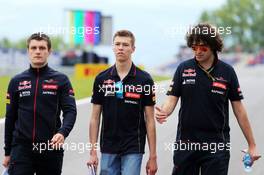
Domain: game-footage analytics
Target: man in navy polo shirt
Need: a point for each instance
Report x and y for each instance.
(123, 94)
(205, 85)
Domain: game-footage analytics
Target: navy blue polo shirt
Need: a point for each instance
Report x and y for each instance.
(123, 128)
(204, 113)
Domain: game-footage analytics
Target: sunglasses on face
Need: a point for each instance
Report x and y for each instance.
(200, 47)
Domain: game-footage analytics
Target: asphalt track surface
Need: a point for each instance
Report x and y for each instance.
(252, 85)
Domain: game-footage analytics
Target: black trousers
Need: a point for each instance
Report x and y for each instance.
(25, 161)
(194, 162)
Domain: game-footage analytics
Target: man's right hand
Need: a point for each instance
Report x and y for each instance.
(6, 161)
(93, 159)
(160, 115)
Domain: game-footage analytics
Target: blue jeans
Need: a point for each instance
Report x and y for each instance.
(115, 164)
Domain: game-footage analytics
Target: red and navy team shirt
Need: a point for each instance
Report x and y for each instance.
(204, 113)
(123, 128)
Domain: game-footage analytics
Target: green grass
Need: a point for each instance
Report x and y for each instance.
(82, 88)
(157, 78)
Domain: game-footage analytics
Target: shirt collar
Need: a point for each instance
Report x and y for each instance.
(132, 72)
(213, 65)
(38, 70)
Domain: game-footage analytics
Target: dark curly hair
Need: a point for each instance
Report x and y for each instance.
(206, 33)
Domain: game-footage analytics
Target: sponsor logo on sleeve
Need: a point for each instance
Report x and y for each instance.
(154, 98)
(239, 91)
(71, 92)
(7, 98)
(170, 86)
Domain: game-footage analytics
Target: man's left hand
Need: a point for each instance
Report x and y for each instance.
(151, 167)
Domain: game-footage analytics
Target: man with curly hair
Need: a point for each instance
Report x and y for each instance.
(205, 85)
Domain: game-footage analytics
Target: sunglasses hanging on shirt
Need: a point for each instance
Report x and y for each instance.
(208, 72)
(119, 89)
